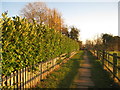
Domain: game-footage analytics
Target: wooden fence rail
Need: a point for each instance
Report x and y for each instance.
(111, 62)
(25, 78)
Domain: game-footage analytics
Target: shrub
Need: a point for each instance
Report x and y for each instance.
(25, 44)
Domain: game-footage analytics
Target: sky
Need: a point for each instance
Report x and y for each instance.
(91, 18)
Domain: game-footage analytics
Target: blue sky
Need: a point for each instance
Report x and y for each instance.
(13, 7)
(91, 18)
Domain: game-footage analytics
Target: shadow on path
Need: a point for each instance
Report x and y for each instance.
(83, 78)
(100, 77)
(92, 75)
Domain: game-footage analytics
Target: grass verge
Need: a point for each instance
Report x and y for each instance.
(64, 76)
(100, 77)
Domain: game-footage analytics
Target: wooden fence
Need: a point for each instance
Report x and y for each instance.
(110, 62)
(25, 78)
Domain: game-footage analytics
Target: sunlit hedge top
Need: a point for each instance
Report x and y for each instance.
(25, 44)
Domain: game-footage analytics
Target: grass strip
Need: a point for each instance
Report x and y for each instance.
(100, 77)
(64, 76)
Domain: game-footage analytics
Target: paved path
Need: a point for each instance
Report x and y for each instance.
(83, 78)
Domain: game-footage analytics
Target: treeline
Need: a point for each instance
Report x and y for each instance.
(111, 42)
(25, 43)
(42, 14)
(106, 42)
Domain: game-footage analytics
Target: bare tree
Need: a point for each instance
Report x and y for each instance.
(42, 14)
(88, 44)
(37, 11)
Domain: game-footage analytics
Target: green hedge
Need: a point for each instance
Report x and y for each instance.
(25, 44)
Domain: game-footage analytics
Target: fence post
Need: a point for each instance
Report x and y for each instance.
(0, 73)
(97, 54)
(114, 64)
(12, 75)
(93, 51)
(103, 57)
